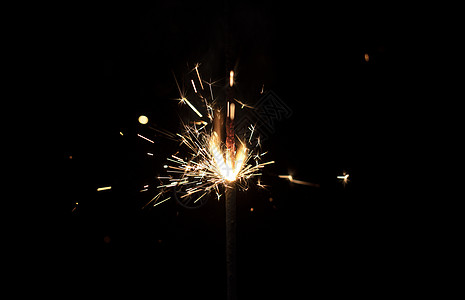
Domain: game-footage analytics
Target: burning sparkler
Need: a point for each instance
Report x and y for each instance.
(209, 163)
(205, 164)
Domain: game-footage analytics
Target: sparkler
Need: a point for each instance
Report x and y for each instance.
(210, 165)
(205, 164)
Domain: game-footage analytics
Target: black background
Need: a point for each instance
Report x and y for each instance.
(347, 115)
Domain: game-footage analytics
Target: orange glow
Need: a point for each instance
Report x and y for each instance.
(367, 57)
(230, 167)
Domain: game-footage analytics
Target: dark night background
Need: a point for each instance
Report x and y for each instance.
(117, 63)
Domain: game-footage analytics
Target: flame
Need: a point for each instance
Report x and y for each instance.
(226, 165)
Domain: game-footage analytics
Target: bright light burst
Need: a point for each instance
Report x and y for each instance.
(204, 164)
(344, 178)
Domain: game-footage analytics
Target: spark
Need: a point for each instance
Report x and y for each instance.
(200, 123)
(252, 129)
(157, 196)
(209, 110)
(344, 178)
(179, 89)
(210, 84)
(200, 197)
(291, 179)
(75, 207)
(183, 99)
(198, 75)
(243, 104)
(145, 189)
(193, 84)
(231, 78)
(158, 203)
(191, 106)
(260, 185)
(164, 132)
(211, 91)
(147, 139)
(207, 105)
(366, 57)
(104, 188)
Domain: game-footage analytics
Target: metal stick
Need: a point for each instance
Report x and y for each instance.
(231, 241)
